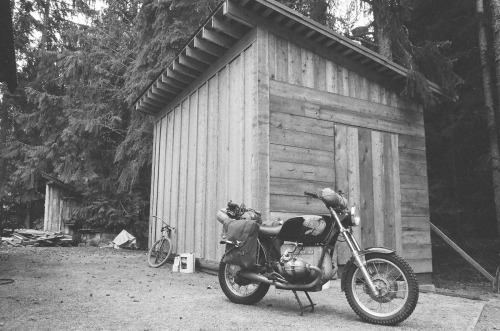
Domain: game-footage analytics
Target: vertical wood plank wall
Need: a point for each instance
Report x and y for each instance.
(327, 124)
(57, 210)
(202, 157)
(52, 209)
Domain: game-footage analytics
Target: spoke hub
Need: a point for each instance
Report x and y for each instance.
(234, 273)
(385, 290)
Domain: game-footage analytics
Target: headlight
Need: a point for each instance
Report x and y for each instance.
(355, 217)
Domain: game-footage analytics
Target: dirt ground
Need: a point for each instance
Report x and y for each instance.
(90, 288)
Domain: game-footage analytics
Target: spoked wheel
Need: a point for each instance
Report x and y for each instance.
(159, 252)
(239, 289)
(397, 289)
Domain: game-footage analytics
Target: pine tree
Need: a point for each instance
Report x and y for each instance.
(73, 116)
(495, 19)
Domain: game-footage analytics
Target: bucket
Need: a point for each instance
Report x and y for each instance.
(187, 263)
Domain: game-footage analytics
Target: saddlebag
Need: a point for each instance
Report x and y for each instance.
(240, 237)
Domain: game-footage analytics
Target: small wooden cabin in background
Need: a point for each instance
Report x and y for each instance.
(60, 202)
(263, 104)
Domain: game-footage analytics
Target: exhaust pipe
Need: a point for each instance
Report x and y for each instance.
(262, 279)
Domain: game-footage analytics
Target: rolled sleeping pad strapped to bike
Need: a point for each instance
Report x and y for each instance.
(333, 199)
(222, 216)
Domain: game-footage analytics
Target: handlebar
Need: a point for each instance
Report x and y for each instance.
(312, 195)
(330, 198)
(165, 225)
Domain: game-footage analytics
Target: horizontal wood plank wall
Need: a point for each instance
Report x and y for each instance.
(308, 96)
(202, 154)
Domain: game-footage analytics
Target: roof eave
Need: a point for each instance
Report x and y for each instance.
(228, 23)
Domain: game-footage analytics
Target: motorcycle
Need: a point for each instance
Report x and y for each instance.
(296, 255)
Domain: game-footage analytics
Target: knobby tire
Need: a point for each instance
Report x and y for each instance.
(250, 299)
(412, 286)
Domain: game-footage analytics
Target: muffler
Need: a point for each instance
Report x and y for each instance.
(262, 279)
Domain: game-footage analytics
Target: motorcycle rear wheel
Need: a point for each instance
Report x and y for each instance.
(397, 284)
(238, 289)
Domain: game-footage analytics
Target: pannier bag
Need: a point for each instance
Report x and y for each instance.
(240, 231)
(240, 237)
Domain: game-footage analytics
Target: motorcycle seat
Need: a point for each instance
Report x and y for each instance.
(270, 231)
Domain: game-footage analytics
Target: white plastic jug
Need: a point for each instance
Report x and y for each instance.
(187, 262)
(177, 264)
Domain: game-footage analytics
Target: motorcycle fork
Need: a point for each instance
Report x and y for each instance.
(355, 249)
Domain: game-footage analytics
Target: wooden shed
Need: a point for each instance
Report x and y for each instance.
(60, 202)
(262, 104)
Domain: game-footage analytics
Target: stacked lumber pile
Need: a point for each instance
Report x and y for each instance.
(36, 238)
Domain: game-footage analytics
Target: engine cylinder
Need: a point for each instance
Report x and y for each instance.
(295, 261)
(296, 268)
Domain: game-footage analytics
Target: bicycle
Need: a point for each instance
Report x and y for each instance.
(162, 248)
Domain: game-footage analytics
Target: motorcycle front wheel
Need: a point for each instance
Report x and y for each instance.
(397, 289)
(239, 289)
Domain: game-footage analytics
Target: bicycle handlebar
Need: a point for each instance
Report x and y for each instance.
(164, 224)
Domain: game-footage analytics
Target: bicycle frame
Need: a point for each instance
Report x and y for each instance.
(165, 228)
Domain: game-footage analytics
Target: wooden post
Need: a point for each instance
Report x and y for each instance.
(260, 123)
(27, 222)
(46, 221)
(496, 283)
(463, 254)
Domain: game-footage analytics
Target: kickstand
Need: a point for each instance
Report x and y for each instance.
(302, 308)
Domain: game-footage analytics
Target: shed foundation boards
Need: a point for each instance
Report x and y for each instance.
(279, 105)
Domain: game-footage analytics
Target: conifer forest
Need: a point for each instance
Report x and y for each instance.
(82, 63)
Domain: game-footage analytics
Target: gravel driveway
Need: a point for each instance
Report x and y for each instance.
(89, 288)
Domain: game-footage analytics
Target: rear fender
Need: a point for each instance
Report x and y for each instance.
(381, 250)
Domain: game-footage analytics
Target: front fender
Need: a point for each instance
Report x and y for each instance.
(381, 250)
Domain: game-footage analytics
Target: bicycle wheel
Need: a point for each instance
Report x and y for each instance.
(159, 252)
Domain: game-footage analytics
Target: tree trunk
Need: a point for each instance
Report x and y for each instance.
(318, 11)
(382, 36)
(495, 9)
(27, 221)
(489, 108)
(44, 41)
(3, 165)
(45, 29)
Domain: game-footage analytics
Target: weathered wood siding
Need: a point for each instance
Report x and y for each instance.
(330, 126)
(203, 155)
(58, 209)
